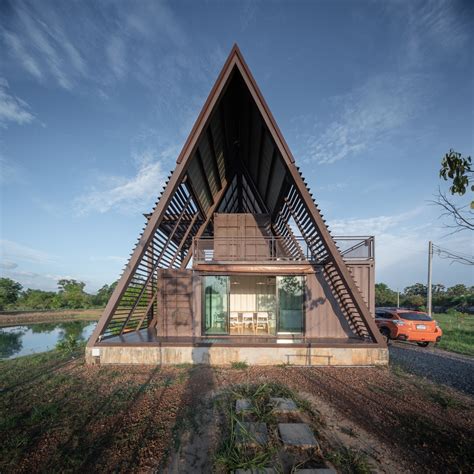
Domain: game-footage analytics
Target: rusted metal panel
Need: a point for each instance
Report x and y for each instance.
(324, 317)
(323, 314)
(364, 277)
(175, 305)
(241, 226)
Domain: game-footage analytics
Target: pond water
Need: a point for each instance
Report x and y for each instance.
(28, 339)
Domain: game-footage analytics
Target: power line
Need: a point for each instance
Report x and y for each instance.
(455, 257)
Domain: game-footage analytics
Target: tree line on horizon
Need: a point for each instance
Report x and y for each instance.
(71, 295)
(460, 297)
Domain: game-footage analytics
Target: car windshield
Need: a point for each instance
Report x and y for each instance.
(415, 316)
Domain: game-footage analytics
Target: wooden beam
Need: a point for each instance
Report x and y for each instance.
(192, 192)
(260, 156)
(209, 216)
(204, 177)
(270, 174)
(183, 240)
(210, 139)
(155, 266)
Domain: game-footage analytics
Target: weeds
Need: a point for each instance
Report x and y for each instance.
(240, 448)
(70, 344)
(241, 365)
(349, 431)
(350, 461)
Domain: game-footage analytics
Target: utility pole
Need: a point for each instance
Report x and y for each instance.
(430, 261)
(398, 298)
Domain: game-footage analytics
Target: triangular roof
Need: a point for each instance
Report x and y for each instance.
(234, 160)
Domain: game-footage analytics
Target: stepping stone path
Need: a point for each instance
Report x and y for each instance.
(251, 434)
(283, 405)
(242, 405)
(297, 435)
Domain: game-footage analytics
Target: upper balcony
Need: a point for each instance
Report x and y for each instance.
(215, 250)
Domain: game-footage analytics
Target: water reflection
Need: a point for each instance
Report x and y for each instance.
(33, 338)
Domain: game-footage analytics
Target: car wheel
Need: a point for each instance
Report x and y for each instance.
(385, 332)
(423, 344)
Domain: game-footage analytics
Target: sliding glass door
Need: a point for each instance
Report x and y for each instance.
(216, 304)
(290, 303)
(253, 305)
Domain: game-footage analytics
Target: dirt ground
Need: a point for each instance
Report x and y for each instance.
(56, 413)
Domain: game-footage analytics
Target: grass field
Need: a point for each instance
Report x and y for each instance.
(59, 414)
(458, 332)
(31, 317)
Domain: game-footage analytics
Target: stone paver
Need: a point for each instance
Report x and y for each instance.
(297, 435)
(241, 405)
(251, 434)
(283, 405)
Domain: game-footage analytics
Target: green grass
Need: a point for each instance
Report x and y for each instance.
(458, 332)
(239, 365)
(350, 461)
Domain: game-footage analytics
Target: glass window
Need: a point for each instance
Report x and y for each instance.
(216, 304)
(291, 303)
(414, 316)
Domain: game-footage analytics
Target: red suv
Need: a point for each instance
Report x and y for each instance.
(407, 325)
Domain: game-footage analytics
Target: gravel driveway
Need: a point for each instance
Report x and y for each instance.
(440, 366)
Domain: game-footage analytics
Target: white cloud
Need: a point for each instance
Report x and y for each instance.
(433, 28)
(135, 194)
(7, 265)
(13, 251)
(364, 117)
(372, 225)
(19, 51)
(115, 51)
(401, 246)
(12, 108)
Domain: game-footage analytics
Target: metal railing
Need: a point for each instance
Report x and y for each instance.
(274, 249)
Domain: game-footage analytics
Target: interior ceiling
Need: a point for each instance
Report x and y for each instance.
(237, 148)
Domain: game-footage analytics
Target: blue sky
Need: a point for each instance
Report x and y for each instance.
(97, 98)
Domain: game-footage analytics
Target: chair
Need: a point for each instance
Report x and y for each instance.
(248, 320)
(263, 322)
(235, 322)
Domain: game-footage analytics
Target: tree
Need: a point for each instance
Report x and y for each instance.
(71, 294)
(103, 295)
(414, 301)
(458, 170)
(384, 296)
(37, 299)
(457, 290)
(418, 289)
(9, 292)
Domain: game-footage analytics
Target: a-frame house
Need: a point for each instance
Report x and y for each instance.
(235, 262)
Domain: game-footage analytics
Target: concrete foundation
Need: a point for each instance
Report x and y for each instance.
(219, 355)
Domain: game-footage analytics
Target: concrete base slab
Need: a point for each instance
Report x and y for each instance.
(242, 405)
(217, 355)
(298, 435)
(283, 405)
(251, 434)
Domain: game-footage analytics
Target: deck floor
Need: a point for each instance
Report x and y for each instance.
(148, 337)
